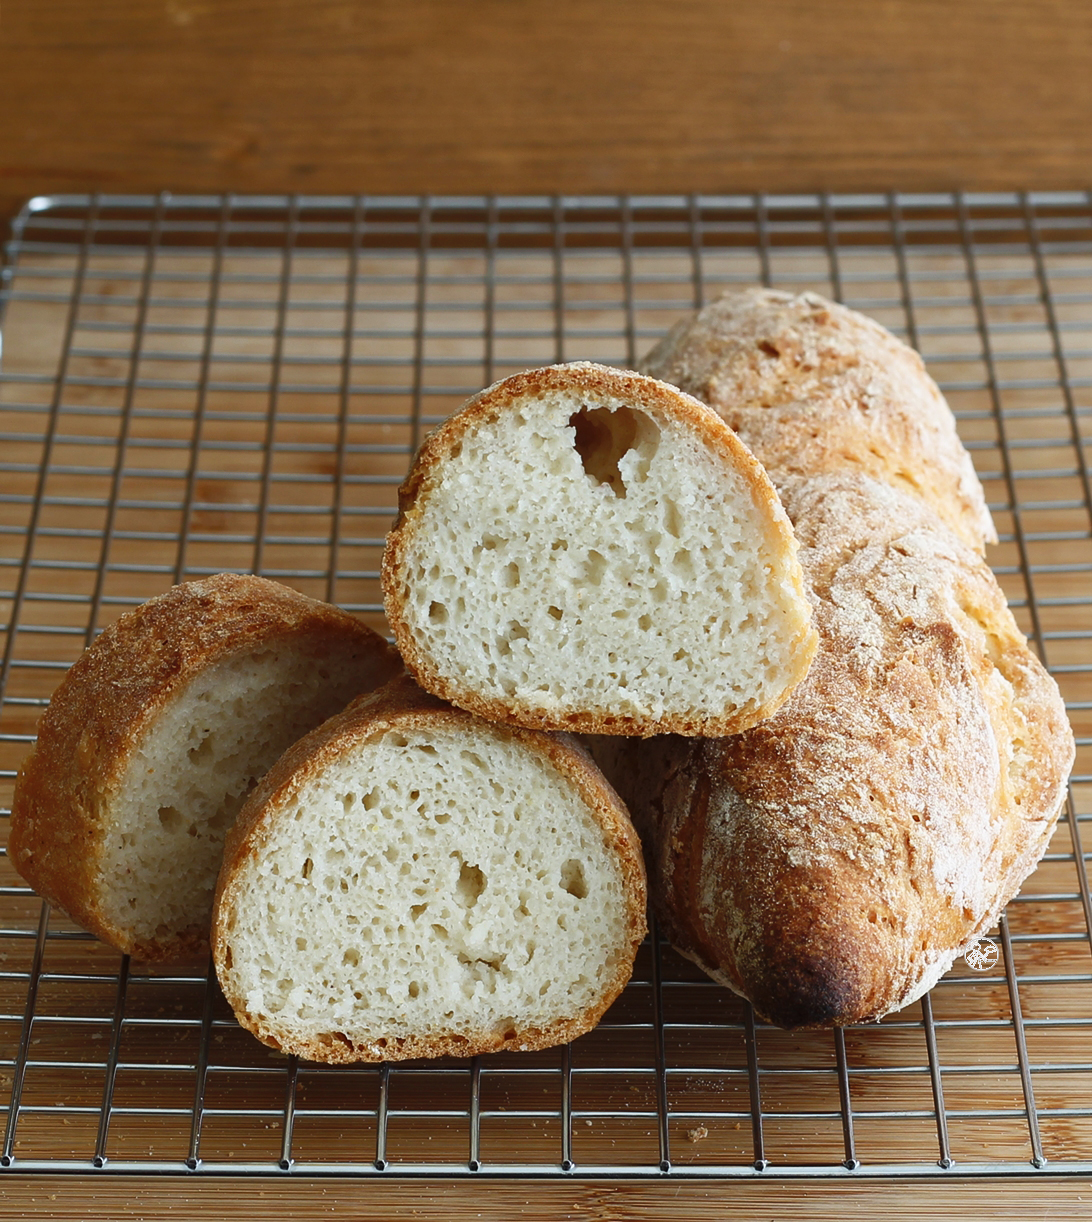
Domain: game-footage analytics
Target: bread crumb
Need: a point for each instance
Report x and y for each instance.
(698, 1134)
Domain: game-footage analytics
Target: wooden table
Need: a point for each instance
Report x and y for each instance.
(432, 97)
(579, 96)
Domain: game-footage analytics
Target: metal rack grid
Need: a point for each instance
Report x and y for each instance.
(197, 384)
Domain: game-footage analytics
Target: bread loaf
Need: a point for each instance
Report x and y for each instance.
(833, 862)
(154, 738)
(412, 881)
(587, 549)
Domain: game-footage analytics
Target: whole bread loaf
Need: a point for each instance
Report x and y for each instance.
(833, 862)
(410, 880)
(156, 735)
(587, 549)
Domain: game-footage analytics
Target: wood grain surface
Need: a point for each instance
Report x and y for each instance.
(450, 96)
(90, 1199)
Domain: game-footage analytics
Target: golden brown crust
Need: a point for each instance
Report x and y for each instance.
(813, 387)
(402, 705)
(831, 864)
(110, 698)
(660, 401)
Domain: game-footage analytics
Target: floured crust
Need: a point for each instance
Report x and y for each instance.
(831, 864)
(813, 387)
(402, 705)
(111, 698)
(660, 401)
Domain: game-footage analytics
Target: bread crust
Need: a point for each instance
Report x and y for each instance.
(831, 864)
(109, 700)
(402, 705)
(660, 401)
(814, 387)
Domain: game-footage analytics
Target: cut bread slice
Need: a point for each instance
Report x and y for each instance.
(156, 735)
(589, 549)
(412, 881)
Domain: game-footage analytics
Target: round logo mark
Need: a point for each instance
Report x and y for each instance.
(983, 955)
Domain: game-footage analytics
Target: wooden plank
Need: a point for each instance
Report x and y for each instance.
(90, 1198)
(574, 96)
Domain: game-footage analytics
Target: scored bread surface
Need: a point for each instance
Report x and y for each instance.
(410, 881)
(814, 387)
(588, 549)
(153, 739)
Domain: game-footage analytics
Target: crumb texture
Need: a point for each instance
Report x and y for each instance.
(430, 887)
(580, 553)
(189, 774)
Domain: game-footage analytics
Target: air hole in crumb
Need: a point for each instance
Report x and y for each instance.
(171, 818)
(414, 989)
(595, 568)
(308, 866)
(573, 880)
(202, 749)
(437, 613)
(604, 437)
(768, 348)
(470, 885)
(554, 612)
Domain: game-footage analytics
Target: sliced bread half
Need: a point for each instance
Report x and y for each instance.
(156, 735)
(410, 880)
(588, 549)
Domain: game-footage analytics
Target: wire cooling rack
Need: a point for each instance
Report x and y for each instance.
(190, 385)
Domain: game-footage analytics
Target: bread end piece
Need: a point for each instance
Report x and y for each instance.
(153, 738)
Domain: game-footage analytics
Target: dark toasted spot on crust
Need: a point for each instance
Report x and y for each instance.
(806, 990)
